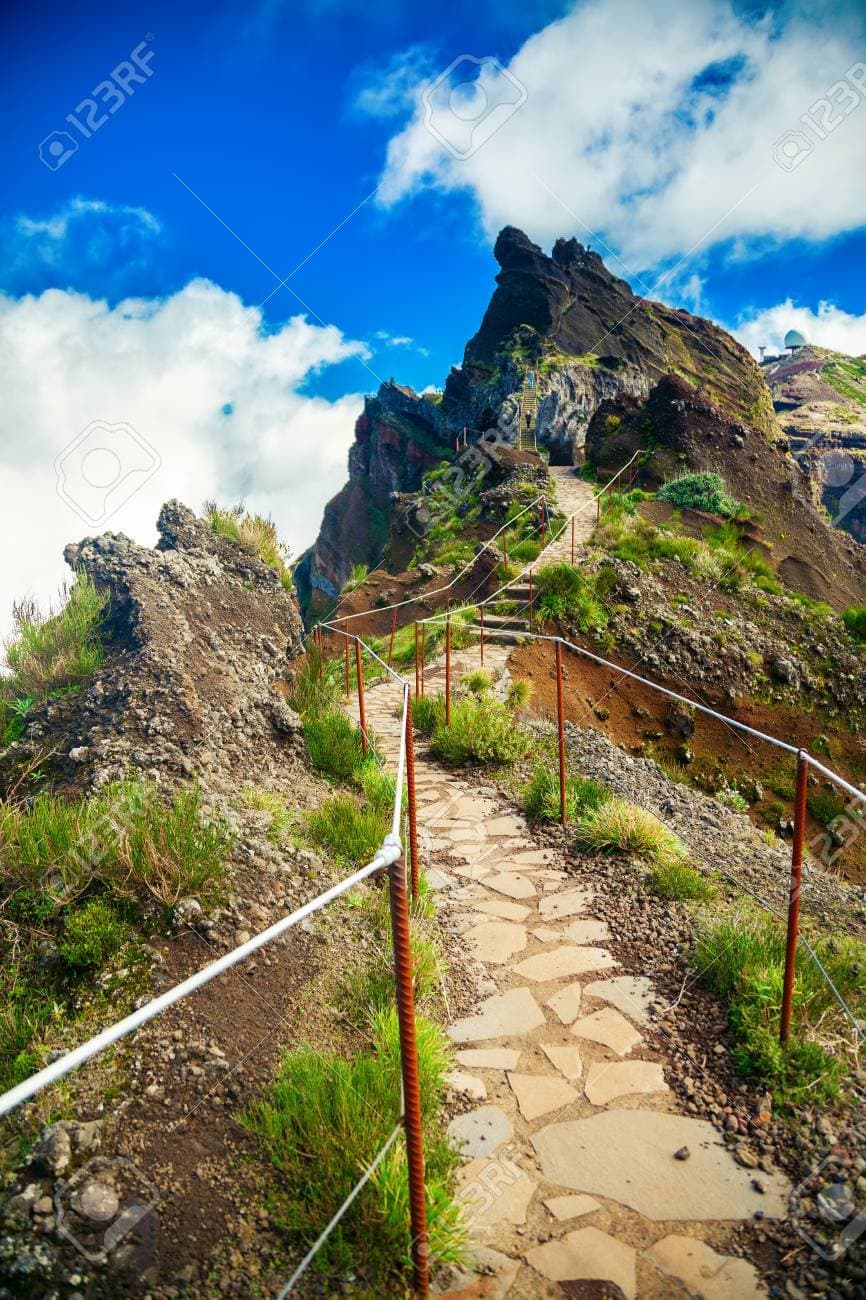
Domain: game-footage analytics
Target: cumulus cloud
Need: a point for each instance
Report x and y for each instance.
(653, 127)
(200, 381)
(828, 327)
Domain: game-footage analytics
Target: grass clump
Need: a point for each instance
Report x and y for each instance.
(353, 828)
(564, 593)
(92, 934)
(334, 743)
(254, 534)
(50, 653)
(317, 683)
(705, 491)
(482, 730)
(541, 796)
(269, 801)
(324, 1119)
(742, 959)
(618, 824)
(678, 880)
(854, 619)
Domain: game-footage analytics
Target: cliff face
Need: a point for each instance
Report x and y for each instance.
(586, 339)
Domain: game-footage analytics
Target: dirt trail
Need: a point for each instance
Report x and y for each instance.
(583, 1174)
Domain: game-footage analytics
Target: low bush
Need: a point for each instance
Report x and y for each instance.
(618, 824)
(254, 534)
(269, 801)
(352, 830)
(855, 621)
(317, 683)
(679, 880)
(704, 491)
(482, 730)
(741, 957)
(541, 796)
(334, 742)
(564, 593)
(92, 933)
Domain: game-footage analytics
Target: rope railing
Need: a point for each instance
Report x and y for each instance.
(388, 859)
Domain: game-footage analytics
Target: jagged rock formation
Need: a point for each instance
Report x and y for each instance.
(199, 633)
(820, 402)
(585, 337)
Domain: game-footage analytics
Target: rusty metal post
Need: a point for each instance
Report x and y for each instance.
(560, 722)
(530, 600)
(361, 715)
(572, 539)
(348, 673)
(409, 1066)
(505, 548)
(410, 790)
(447, 672)
(630, 474)
(598, 509)
(423, 654)
(481, 613)
(794, 895)
(391, 642)
(543, 523)
(417, 680)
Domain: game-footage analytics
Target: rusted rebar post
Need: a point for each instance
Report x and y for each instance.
(543, 523)
(391, 642)
(630, 474)
(361, 715)
(794, 895)
(409, 1067)
(530, 600)
(411, 800)
(423, 655)
(447, 672)
(560, 722)
(348, 672)
(598, 509)
(572, 539)
(481, 619)
(417, 679)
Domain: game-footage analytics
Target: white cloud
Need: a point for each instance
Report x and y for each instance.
(654, 126)
(82, 239)
(197, 376)
(828, 327)
(389, 91)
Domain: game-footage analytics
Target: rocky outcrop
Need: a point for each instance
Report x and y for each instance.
(198, 636)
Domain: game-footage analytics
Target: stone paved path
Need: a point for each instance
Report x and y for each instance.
(572, 494)
(580, 1177)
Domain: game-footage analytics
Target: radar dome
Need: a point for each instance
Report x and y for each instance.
(794, 339)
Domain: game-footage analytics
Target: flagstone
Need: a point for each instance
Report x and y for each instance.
(480, 1132)
(566, 1057)
(588, 1254)
(538, 1094)
(570, 904)
(487, 1275)
(566, 1003)
(513, 886)
(472, 873)
(608, 1080)
(531, 856)
(571, 1207)
(514, 1012)
(703, 1272)
(508, 911)
(489, 1058)
(610, 1029)
(494, 1191)
(438, 879)
(587, 931)
(629, 1156)
(631, 994)
(545, 935)
(559, 963)
(506, 825)
(496, 941)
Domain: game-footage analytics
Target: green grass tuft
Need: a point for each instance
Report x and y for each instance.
(679, 880)
(618, 824)
(254, 534)
(705, 491)
(541, 797)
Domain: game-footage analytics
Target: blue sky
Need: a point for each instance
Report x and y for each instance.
(646, 130)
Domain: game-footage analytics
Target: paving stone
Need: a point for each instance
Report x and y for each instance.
(508, 911)
(571, 1207)
(438, 879)
(587, 932)
(506, 826)
(629, 1156)
(488, 1275)
(489, 1058)
(570, 904)
(494, 1191)
(566, 1002)
(703, 1272)
(464, 834)
(559, 963)
(460, 1081)
(631, 994)
(514, 1012)
(566, 1058)
(512, 885)
(545, 935)
(531, 856)
(480, 1132)
(608, 1080)
(587, 1254)
(538, 1094)
(472, 873)
(610, 1029)
(496, 941)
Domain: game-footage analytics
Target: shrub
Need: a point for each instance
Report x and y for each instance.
(541, 797)
(618, 824)
(351, 830)
(334, 742)
(254, 534)
(741, 957)
(323, 1120)
(428, 712)
(564, 593)
(679, 880)
(482, 730)
(855, 621)
(704, 491)
(731, 797)
(91, 934)
(524, 552)
(477, 682)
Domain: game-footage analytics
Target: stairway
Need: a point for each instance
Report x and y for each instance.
(528, 412)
